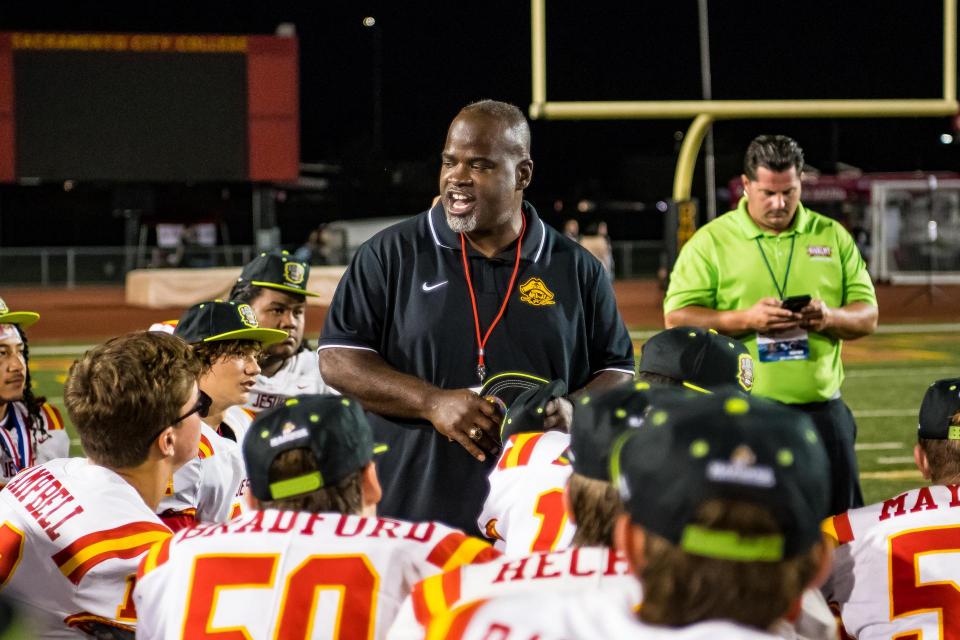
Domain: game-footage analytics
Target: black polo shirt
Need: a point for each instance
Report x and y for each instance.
(405, 297)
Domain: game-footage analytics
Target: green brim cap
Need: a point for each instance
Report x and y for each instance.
(217, 320)
(332, 428)
(22, 318)
(527, 411)
(726, 446)
(278, 270)
(701, 359)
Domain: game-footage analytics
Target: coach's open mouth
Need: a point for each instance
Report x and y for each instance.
(459, 203)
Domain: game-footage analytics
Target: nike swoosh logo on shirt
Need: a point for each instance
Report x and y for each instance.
(430, 287)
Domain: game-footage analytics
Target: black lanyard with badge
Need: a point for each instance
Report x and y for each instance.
(789, 344)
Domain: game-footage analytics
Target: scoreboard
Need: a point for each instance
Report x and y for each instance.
(148, 107)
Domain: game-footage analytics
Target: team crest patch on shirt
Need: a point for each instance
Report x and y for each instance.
(247, 316)
(818, 251)
(745, 371)
(535, 292)
(293, 272)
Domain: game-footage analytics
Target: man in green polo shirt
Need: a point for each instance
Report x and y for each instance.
(736, 271)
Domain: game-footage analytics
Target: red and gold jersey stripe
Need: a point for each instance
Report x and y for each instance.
(177, 519)
(519, 454)
(126, 541)
(205, 449)
(52, 417)
(249, 412)
(435, 595)
(91, 624)
(453, 625)
(838, 528)
(457, 549)
(158, 554)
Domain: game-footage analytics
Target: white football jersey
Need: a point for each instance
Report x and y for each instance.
(524, 510)
(268, 574)
(568, 616)
(22, 447)
(206, 489)
(897, 569)
(71, 539)
(298, 375)
(574, 570)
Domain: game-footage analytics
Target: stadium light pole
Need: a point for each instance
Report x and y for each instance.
(709, 160)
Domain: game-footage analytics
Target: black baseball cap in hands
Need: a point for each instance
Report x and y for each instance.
(702, 359)
(276, 269)
(600, 419)
(940, 403)
(218, 320)
(726, 446)
(333, 428)
(527, 411)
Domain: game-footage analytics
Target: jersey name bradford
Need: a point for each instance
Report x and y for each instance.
(347, 526)
(45, 499)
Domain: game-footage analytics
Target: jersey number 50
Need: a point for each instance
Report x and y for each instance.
(351, 575)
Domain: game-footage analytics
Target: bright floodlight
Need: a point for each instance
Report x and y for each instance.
(369, 21)
(946, 138)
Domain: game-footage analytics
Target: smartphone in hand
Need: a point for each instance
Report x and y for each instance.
(795, 303)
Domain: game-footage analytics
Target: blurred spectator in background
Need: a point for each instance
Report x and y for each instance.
(313, 251)
(571, 229)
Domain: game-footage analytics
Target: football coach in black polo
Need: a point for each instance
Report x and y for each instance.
(476, 286)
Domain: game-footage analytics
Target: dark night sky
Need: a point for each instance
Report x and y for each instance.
(437, 56)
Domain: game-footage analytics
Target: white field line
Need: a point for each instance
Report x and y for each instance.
(878, 446)
(884, 413)
(889, 372)
(62, 350)
(896, 474)
(884, 328)
(895, 460)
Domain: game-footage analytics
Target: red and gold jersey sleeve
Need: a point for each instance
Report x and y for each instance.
(524, 511)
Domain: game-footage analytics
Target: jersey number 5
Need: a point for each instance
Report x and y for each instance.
(908, 596)
(351, 575)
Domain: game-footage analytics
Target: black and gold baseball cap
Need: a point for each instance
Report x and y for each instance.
(333, 428)
(940, 403)
(701, 359)
(277, 269)
(22, 318)
(600, 419)
(728, 446)
(219, 320)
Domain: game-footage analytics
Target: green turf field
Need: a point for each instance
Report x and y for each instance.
(887, 375)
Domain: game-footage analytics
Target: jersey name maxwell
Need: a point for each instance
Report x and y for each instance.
(46, 500)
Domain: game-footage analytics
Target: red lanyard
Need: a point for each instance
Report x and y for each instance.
(481, 342)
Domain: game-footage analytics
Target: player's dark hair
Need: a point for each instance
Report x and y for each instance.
(680, 588)
(595, 505)
(776, 153)
(344, 497)
(123, 393)
(511, 116)
(209, 353)
(31, 402)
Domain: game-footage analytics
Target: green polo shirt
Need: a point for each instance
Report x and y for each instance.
(721, 267)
